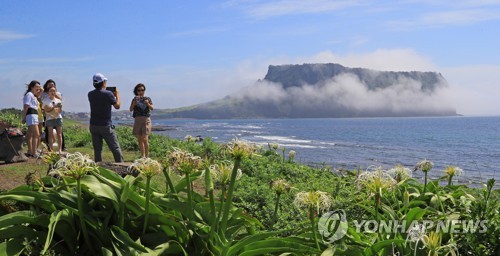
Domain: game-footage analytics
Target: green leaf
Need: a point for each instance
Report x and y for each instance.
(169, 248)
(389, 212)
(414, 214)
(432, 186)
(328, 252)
(17, 231)
(109, 177)
(12, 247)
(23, 217)
(277, 245)
(100, 190)
(67, 230)
(416, 203)
(123, 244)
(127, 188)
(182, 184)
(379, 246)
(106, 252)
(35, 198)
(64, 200)
(54, 219)
(175, 205)
(235, 248)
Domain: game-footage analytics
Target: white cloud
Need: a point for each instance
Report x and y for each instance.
(432, 13)
(59, 59)
(6, 35)
(427, 13)
(267, 9)
(48, 60)
(445, 18)
(473, 90)
(457, 3)
(404, 96)
(458, 17)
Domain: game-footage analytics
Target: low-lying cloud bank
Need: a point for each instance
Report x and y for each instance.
(347, 91)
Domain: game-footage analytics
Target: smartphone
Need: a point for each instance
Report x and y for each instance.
(111, 88)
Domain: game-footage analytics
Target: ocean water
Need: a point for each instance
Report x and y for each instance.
(471, 143)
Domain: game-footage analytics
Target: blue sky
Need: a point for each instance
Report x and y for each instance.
(190, 52)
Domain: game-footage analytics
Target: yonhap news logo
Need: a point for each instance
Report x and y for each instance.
(333, 226)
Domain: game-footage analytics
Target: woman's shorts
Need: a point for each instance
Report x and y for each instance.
(32, 119)
(142, 126)
(53, 122)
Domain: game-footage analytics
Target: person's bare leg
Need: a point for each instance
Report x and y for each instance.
(51, 138)
(38, 137)
(29, 140)
(140, 141)
(33, 140)
(59, 138)
(145, 140)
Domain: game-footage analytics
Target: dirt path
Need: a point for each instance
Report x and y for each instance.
(13, 174)
(10, 177)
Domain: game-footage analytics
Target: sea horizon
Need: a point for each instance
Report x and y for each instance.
(471, 143)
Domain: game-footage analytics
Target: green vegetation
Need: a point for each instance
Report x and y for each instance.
(204, 198)
(12, 117)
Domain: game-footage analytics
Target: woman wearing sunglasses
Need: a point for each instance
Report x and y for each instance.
(141, 107)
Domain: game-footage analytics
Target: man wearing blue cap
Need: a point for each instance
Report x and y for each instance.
(101, 126)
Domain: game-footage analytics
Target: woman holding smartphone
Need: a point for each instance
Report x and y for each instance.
(43, 98)
(141, 107)
(53, 118)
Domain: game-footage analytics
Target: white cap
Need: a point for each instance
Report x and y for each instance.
(99, 78)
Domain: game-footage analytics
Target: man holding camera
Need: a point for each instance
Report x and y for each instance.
(101, 99)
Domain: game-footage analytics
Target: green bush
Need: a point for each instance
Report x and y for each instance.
(77, 136)
(93, 211)
(13, 117)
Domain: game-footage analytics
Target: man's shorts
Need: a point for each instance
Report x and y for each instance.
(142, 126)
(53, 122)
(32, 119)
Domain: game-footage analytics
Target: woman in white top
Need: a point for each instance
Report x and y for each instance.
(46, 87)
(53, 118)
(30, 116)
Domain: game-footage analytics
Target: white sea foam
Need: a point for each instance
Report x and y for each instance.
(282, 139)
(250, 132)
(290, 146)
(213, 124)
(328, 143)
(300, 146)
(248, 126)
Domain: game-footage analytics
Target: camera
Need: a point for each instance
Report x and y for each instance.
(111, 88)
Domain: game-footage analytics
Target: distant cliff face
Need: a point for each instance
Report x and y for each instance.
(330, 90)
(312, 74)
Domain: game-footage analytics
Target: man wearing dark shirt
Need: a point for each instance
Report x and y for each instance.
(101, 126)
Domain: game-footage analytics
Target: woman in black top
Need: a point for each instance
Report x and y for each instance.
(141, 106)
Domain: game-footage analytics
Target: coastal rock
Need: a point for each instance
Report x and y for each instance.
(326, 91)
